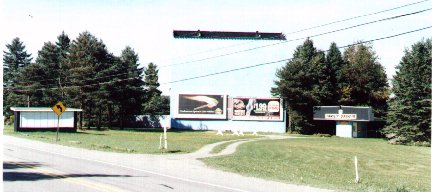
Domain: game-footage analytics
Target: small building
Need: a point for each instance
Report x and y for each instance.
(44, 119)
(351, 122)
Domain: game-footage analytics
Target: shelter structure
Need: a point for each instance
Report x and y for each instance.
(351, 122)
(44, 118)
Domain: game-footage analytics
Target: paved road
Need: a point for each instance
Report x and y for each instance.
(35, 166)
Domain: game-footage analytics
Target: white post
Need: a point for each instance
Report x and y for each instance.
(165, 138)
(160, 142)
(58, 127)
(357, 179)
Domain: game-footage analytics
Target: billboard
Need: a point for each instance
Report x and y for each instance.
(257, 109)
(201, 106)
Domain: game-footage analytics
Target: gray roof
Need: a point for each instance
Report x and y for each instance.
(41, 109)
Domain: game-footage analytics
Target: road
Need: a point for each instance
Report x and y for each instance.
(36, 166)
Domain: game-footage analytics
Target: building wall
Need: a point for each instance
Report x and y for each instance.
(206, 73)
(43, 120)
(277, 126)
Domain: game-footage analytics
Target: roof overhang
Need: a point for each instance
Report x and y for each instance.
(41, 109)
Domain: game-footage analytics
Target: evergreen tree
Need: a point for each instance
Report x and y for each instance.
(63, 44)
(363, 82)
(303, 83)
(335, 62)
(14, 59)
(153, 104)
(409, 114)
(41, 78)
(128, 92)
(87, 57)
(32, 82)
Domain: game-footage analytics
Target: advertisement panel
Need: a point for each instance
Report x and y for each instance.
(257, 109)
(201, 106)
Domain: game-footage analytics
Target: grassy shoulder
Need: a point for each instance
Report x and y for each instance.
(329, 163)
(129, 141)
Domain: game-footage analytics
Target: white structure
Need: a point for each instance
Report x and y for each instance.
(43, 118)
(351, 122)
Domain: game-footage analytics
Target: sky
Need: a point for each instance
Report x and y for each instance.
(147, 27)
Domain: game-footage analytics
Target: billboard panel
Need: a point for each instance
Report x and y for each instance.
(201, 106)
(257, 109)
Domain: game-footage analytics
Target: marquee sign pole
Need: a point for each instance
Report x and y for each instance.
(58, 127)
(58, 108)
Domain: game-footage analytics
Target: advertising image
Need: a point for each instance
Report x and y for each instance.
(201, 106)
(261, 109)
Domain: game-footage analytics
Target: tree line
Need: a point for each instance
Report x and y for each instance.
(83, 74)
(355, 77)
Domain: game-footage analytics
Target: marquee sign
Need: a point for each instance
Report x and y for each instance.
(340, 116)
(343, 113)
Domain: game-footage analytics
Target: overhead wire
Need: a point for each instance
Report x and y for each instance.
(297, 39)
(305, 29)
(355, 17)
(283, 60)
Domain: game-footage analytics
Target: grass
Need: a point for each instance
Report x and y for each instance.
(221, 147)
(329, 163)
(129, 141)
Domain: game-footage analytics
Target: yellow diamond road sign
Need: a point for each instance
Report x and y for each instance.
(59, 108)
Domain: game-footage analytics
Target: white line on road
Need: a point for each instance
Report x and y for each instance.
(141, 170)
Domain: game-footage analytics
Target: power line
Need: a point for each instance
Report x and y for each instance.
(306, 29)
(283, 60)
(355, 17)
(286, 41)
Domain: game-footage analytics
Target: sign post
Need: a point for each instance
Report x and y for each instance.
(58, 108)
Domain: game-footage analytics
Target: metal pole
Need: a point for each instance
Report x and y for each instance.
(58, 127)
(165, 138)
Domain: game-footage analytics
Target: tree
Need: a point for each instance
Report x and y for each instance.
(335, 62)
(63, 44)
(14, 59)
(127, 92)
(39, 80)
(87, 56)
(363, 81)
(153, 102)
(408, 119)
(303, 82)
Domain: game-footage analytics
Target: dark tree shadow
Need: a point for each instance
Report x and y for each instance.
(35, 176)
(19, 165)
(9, 175)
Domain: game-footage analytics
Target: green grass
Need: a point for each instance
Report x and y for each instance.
(329, 163)
(221, 147)
(129, 141)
